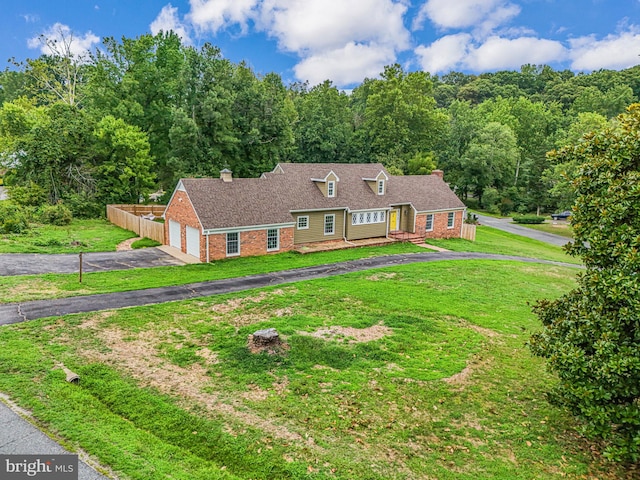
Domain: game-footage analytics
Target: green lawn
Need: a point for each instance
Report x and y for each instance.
(81, 235)
(416, 371)
(491, 240)
(559, 228)
(34, 287)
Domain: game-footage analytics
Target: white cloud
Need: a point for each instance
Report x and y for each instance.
(615, 51)
(481, 14)
(460, 52)
(349, 64)
(445, 54)
(323, 25)
(59, 37)
(334, 39)
(29, 18)
(215, 15)
(168, 20)
(503, 53)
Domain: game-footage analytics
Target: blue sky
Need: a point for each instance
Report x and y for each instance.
(348, 40)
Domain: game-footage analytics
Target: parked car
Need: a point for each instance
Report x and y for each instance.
(562, 215)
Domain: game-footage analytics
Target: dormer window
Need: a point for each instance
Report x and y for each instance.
(331, 189)
(380, 187)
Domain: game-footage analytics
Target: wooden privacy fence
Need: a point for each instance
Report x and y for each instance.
(129, 217)
(469, 232)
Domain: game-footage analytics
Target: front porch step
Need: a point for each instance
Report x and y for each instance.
(407, 237)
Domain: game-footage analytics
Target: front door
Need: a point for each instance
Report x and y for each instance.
(393, 220)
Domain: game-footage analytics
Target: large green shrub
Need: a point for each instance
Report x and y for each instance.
(12, 218)
(58, 214)
(591, 335)
(528, 219)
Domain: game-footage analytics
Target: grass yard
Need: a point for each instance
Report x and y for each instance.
(416, 371)
(35, 287)
(556, 227)
(93, 235)
(491, 240)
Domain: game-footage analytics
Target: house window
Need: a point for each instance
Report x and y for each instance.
(451, 218)
(329, 224)
(303, 223)
(331, 188)
(430, 222)
(380, 187)
(233, 244)
(368, 218)
(273, 239)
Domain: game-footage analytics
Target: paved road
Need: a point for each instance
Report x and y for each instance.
(506, 225)
(35, 263)
(19, 437)
(19, 312)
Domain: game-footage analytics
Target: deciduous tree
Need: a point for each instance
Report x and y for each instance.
(591, 335)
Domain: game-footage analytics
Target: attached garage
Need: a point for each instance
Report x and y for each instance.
(174, 235)
(193, 241)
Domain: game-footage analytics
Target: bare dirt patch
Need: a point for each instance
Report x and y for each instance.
(350, 334)
(126, 245)
(376, 277)
(139, 357)
(463, 378)
(36, 288)
(237, 303)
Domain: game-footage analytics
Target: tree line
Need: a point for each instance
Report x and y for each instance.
(141, 113)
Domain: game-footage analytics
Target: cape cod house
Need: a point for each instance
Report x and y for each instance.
(302, 203)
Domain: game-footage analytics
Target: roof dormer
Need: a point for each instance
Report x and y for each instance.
(378, 184)
(328, 185)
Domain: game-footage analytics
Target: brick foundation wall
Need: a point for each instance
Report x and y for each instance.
(252, 243)
(440, 229)
(421, 225)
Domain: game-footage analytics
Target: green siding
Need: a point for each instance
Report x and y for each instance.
(372, 230)
(315, 232)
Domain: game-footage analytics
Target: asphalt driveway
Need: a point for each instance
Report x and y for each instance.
(19, 312)
(36, 264)
(505, 225)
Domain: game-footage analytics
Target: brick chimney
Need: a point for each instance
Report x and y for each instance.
(226, 175)
(438, 173)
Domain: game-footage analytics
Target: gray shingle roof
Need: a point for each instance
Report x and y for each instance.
(269, 200)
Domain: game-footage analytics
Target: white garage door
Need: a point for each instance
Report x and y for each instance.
(174, 234)
(193, 241)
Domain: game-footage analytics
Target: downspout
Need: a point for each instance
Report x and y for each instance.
(207, 248)
(344, 227)
(464, 215)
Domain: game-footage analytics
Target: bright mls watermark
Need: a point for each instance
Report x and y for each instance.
(45, 467)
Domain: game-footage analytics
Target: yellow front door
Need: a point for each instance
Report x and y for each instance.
(393, 221)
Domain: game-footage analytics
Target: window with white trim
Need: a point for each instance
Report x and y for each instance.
(429, 222)
(303, 222)
(329, 224)
(331, 188)
(273, 239)
(380, 187)
(233, 243)
(367, 218)
(451, 219)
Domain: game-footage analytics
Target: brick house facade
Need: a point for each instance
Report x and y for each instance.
(295, 204)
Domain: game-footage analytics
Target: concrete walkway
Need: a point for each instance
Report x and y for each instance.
(18, 436)
(11, 313)
(505, 225)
